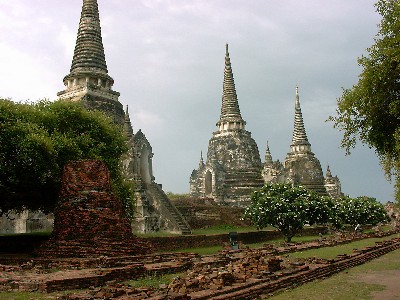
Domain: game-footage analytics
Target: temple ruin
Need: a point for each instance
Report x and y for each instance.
(100, 227)
(332, 184)
(301, 166)
(89, 82)
(233, 166)
(232, 170)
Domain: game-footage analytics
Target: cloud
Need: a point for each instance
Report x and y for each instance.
(66, 37)
(144, 119)
(29, 84)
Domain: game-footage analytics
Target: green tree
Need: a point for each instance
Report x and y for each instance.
(38, 139)
(370, 110)
(287, 208)
(360, 211)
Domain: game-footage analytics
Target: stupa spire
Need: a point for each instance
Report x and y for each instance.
(230, 111)
(299, 131)
(268, 156)
(127, 124)
(89, 50)
(328, 172)
(201, 162)
(88, 80)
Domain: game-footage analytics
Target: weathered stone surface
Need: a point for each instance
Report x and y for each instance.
(204, 212)
(301, 167)
(25, 222)
(233, 167)
(89, 82)
(89, 219)
(332, 185)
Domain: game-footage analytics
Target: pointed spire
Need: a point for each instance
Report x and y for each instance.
(88, 80)
(328, 172)
(89, 50)
(127, 124)
(268, 156)
(230, 111)
(201, 162)
(299, 132)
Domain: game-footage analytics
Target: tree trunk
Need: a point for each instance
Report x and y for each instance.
(288, 238)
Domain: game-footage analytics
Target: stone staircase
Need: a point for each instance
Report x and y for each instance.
(155, 192)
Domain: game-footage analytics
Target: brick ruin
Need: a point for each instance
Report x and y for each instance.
(228, 274)
(89, 219)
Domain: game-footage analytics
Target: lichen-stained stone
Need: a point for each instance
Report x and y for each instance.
(233, 166)
(88, 80)
(89, 220)
(301, 166)
(332, 184)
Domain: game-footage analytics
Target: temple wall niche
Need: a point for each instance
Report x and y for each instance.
(145, 166)
(208, 183)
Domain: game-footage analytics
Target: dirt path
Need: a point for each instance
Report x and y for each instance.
(388, 278)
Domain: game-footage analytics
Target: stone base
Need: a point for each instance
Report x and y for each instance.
(89, 219)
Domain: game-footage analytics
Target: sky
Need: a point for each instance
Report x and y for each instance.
(167, 60)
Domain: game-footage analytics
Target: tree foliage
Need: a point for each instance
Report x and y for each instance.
(287, 208)
(370, 110)
(38, 139)
(360, 211)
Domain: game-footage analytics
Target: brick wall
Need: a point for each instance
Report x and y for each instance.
(27, 243)
(194, 241)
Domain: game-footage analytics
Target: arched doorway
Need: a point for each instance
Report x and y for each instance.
(208, 183)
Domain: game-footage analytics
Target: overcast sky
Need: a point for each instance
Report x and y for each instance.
(167, 60)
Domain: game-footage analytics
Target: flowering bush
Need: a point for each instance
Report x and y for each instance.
(360, 211)
(288, 208)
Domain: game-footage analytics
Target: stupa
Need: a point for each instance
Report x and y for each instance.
(90, 83)
(233, 166)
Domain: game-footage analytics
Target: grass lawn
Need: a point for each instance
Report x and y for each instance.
(332, 252)
(32, 295)
(276, 242)
(155, 234)
(347, 285)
